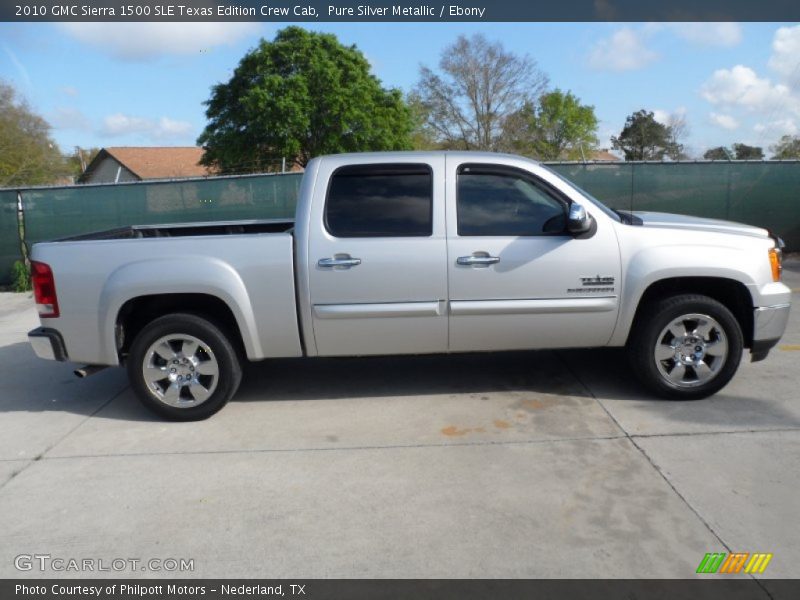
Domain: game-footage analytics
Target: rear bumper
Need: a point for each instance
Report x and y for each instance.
(769, 323)
(48, 344)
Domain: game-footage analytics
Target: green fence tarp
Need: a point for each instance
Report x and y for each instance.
(52, 213)
(9, 235)
(766, 194)
(609, 183)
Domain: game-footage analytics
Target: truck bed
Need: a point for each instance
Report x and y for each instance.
(247, 264)
(186, 230)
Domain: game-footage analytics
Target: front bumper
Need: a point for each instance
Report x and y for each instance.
(48, 344)
(769, 323)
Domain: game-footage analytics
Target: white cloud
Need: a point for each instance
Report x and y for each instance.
(709, 34)
(623, 51)
(164, 128)
(725, 121)
(742, 87)
(120, 124)
(69, 90)
(666, 117)
(785, 59)
(69, 118)
(662, 116)
(139, 41)
(171, 128)
(777, 128)
(766, 105)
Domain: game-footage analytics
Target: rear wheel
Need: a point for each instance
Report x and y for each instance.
(686, 346)
(183, 367)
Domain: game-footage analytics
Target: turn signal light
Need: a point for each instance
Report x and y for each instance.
(44, 290)
(775, 256)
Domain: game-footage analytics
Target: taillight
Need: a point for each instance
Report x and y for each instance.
(44, 290)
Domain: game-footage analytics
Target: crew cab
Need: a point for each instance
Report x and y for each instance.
(411, 253)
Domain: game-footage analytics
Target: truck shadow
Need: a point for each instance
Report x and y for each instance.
(751, 399)
(30, 384)
(33, 385)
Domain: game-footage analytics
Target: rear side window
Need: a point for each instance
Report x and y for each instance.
(380, 201)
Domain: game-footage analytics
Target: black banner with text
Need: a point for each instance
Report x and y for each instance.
(400, 11)
(419, 589)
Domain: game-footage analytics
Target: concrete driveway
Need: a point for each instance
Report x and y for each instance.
(529, 464)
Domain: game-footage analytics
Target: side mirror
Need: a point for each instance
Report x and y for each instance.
(578, 220)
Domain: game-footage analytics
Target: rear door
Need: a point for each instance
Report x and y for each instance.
(517, 279)
(378, 256)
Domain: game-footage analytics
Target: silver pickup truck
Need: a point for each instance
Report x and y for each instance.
(411, 253)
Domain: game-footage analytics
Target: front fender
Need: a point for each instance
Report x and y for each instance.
(650, 265)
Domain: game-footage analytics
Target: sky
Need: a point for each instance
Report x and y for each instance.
(144, 84)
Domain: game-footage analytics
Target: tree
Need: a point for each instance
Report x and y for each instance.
(77, 162)
(299, 96)
(480, 86)
(28, 155)
(423, 137)
(718, 153)
(745, 152)
(557, 127)
(787, 148)
(678, 131)
(644, 138)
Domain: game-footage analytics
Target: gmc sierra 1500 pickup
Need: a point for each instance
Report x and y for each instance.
(411, 253)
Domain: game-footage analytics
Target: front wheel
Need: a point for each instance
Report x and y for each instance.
(686, 347)
(183, 367)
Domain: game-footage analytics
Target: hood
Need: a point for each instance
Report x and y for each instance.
(670, 221)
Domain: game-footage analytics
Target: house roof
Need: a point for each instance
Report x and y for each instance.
(156, 162)
(603, 155)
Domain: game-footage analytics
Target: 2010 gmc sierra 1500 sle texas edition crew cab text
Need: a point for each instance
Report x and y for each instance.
(412, 253)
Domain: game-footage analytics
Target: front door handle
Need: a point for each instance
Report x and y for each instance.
(477, 260)
(339, 261)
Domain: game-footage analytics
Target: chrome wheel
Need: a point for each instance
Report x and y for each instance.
(180, 370)
(691, 350)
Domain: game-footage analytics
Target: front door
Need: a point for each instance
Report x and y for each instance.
(516, 278)
(378, 272)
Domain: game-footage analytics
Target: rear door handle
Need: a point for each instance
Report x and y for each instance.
(340, 261)
(477, 260)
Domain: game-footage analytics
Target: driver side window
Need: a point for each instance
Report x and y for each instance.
(498, 202)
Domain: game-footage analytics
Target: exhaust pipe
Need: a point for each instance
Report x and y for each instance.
(84, 372)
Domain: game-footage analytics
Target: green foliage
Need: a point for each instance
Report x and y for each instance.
(478, 88)
(302, 95)
(787, 148)
(423, 136)
(556, 127)
(28, 155)
(718, 153)
(644, 138)
(745, 152)
(20, 277)
(79, 160)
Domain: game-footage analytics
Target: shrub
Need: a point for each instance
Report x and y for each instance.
(21, 274)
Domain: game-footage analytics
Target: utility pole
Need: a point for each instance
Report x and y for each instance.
(79, 154)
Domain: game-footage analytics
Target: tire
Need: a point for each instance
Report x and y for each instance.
(685, 347)
(183, 367)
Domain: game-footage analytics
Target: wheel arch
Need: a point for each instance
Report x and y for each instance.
(136, 313)
(731, 293)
